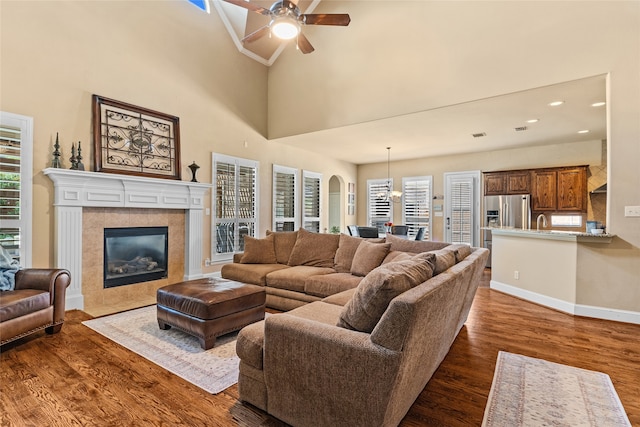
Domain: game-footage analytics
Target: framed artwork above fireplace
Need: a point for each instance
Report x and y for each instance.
(134, 140)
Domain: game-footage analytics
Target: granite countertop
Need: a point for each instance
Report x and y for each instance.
(571, 236)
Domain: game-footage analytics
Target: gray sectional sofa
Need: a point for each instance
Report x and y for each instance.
(358, 356)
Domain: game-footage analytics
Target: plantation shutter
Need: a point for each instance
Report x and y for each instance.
(311, 204)
(285, 190)
(11, 169)
(461, 211)
(235, 204)
(416, 205)
(379, 207)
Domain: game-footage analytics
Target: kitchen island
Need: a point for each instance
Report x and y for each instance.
(544, 267)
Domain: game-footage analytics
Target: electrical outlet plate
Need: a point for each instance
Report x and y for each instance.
(632, 211)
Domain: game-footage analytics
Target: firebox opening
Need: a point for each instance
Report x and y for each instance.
(134, 255)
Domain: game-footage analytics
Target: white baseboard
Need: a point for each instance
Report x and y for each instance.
(569, 307)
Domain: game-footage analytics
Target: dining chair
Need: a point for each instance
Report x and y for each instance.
(399, 230)
(420, 233)
(353, 230)
(368, 232)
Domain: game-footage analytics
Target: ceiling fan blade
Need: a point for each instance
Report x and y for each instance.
(303, 44)
(342, 19)
(252, 7)
(260, 32)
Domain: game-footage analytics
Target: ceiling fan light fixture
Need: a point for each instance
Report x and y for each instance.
(284, 28)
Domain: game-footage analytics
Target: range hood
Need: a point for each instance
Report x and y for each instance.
(600, 190)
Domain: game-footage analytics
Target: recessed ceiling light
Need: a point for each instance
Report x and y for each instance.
(479, 134)
(533, 120)
(556, 103)
(584, 131)
(598, 104)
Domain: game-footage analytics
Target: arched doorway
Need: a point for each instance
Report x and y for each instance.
(336, 205)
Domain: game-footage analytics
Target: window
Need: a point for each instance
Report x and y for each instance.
(16, 153)
(234, 205)
(379, 208)
(416, 204)
(202, 4)
(566, 220)
(311, 203)
(285, 198)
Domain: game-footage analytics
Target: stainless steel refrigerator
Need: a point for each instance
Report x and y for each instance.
(508, 211)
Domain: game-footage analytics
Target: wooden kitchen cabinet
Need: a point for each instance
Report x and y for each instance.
(572, 189)
(519, 182)
(495, 183)
(544, 195)
(560, 189)
(510, 182)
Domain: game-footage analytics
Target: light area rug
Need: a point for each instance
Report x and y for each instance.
(533, 392)
(213, 370)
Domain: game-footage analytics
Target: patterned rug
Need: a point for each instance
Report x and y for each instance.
(534, 392)
(213, 370)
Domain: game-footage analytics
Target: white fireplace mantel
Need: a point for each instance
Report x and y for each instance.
(75, 190)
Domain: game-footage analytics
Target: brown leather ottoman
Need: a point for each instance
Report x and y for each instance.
(208, 308)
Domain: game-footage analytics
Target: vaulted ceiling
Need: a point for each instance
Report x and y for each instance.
(418, 76)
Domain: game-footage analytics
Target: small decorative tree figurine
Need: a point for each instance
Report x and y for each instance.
(79, 164)
(72, 159)
(55, 163)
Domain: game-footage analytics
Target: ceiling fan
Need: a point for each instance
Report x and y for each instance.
(286, 21)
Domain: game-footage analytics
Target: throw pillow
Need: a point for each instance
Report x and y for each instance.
(258, 251)
(378, 288)
(314, 249)
(368, 256)
(461, 250)
(413, 246)
(347, 246)
(283, 243)
(445, 259)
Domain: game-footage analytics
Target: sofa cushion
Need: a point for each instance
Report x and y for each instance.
(368, 256)
(347, 247)
(445, 259)
(259, 251)
(283, 243)
(378, 288)
(414, 246)
(341, 298)
(396, 256)
(461, 250)
(293, 278)
(329, 284)
(255, 274)
(21, 302)
(314, 249)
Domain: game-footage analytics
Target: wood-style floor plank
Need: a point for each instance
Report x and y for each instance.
(79, 377)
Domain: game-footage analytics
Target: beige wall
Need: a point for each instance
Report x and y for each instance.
(167, 56)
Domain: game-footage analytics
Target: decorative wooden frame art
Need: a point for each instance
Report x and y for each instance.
(135, 141)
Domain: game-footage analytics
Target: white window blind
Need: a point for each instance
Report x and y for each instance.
(416, 205)
(379, 208)
(311, 200)
(16, 147)
(285, 198)
(234, 205)
(461, 211)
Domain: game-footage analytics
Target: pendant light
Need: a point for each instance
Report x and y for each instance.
(391, 195)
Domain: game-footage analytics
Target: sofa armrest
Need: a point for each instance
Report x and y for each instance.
(54, 281)
(316, 373)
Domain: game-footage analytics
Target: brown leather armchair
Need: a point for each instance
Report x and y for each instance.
(36, 303)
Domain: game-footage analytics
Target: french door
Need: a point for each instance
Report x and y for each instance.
(462, 207)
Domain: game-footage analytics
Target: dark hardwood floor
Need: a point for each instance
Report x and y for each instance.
(78, 377)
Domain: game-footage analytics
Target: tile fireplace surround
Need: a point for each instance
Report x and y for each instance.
(127, 200)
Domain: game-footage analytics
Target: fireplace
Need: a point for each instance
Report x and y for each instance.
(134, 255)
